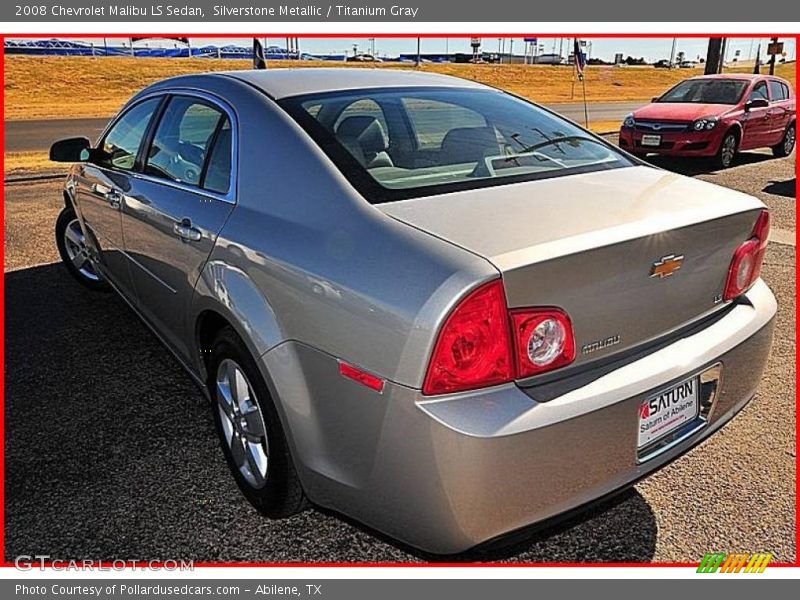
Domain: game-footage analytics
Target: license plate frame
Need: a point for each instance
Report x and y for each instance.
(651, 140)
(667, 411)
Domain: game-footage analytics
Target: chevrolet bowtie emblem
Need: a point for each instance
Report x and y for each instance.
(666, 266)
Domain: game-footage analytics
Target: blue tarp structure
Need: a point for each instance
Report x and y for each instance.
(56, 47)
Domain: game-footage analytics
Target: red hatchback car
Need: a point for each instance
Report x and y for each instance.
(715, 116)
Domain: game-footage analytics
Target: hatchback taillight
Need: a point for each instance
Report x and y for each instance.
(481, 343)
(745, 267)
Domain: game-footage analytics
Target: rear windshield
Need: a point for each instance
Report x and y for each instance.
(706, 91)
(402, 143)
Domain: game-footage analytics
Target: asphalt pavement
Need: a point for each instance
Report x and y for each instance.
(38, 135)
(111, 450)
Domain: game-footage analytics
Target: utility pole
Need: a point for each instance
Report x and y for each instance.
(419, 53)
(713, 55)
(672, 53)
(511, 50)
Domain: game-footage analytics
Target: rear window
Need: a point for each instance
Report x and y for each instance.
(402, 143)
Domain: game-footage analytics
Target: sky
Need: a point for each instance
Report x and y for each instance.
(651, 49)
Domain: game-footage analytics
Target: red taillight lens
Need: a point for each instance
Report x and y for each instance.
(473, 349)
(543, 340)
(746, 264)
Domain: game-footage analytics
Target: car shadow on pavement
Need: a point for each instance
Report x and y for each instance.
(787, 188)
(698, 166)
(111, 453)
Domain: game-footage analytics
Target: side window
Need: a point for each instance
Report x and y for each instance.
(433, 120)
(776, 91)
(760, 91)
(182, 139)
(122, 142)
(218, 170)
(785, 90)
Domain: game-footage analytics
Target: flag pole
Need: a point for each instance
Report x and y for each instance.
(585, 106)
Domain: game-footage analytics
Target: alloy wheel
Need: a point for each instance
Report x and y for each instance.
(242, 423)
(728, 150)
(788, 141)
(78, 253)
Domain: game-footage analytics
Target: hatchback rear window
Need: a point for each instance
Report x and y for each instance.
(402, 143)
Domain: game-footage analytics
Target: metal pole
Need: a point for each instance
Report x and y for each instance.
(672, 54)
(511, 50)
(585, 106)
(419, 54)
(133, 54)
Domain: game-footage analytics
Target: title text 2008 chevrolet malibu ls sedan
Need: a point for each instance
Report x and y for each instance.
(422, 302)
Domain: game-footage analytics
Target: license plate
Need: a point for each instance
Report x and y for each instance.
(668, 410)
(651, 140)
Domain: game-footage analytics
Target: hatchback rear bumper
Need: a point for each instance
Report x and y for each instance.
(450, 473)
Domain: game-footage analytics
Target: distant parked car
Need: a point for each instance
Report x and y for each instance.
(688, 64)
(364, 58)
(662, 64)
(715, 116)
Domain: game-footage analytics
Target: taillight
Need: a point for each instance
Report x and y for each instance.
(543, 340)
(746, 264)
(473, 349)
(481, 343)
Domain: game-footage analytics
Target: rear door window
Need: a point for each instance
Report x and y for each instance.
(776, 91)
(182, 140)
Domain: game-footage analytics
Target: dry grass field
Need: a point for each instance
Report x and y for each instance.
(64, 87)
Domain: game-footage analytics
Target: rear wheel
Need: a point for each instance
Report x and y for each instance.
(786, 146)
(75, 255)
(727, 150)
(250, 431)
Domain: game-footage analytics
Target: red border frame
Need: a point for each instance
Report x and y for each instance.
(5, 564)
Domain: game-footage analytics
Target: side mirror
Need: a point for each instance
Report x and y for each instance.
(756, 103)
(71, 150)
(655, 98)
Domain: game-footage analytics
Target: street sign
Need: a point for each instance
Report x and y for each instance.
(475, 42)
(531, 40)
(775, 48)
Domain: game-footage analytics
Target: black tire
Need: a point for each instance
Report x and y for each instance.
(281, 494)
(64, 220)
(723, 158)
(786, 147)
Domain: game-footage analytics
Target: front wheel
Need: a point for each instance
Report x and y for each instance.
(727, 151)
(786, 146)
(74, 253)
(250, 430)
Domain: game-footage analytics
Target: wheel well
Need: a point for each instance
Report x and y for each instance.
(67, 200)
(209, 324)
(737, 131)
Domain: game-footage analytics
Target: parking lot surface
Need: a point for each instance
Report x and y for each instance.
(111, 450)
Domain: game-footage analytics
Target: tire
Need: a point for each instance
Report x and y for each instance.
(71, 246)
(261, 465)
(786, 146)
(727, 150)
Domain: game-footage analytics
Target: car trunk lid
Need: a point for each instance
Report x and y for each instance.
(600, 246)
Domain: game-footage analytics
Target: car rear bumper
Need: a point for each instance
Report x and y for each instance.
(688, 143)
(450, 473)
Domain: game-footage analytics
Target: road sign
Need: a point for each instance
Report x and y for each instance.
(531, 40)
(475, 42)
(775, 48)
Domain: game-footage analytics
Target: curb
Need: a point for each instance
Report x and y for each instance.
(26, 179)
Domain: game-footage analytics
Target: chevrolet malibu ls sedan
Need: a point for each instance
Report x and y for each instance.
(424, 303)
(715, 116)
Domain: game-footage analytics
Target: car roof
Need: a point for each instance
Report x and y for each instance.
(282, 83)
(740, 76)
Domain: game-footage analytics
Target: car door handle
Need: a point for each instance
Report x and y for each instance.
(186, 232)
(114, 198)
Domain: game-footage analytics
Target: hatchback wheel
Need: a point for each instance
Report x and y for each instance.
(727, 151)
(74, 253)
(786, 146)
(250, 430)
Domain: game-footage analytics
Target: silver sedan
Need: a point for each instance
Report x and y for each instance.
(424, 303)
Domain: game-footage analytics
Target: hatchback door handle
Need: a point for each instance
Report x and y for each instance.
(186, 232)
